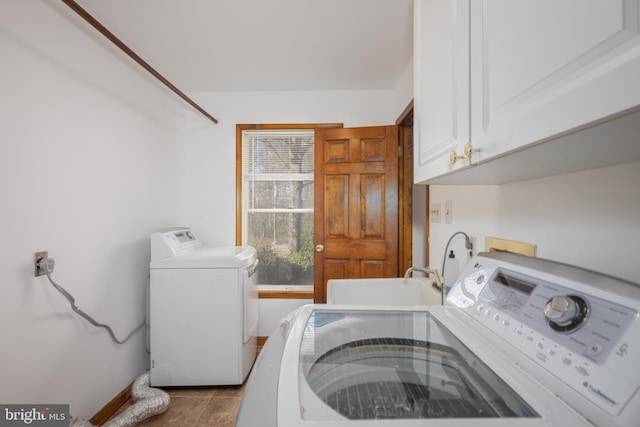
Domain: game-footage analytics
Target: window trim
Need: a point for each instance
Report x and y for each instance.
(288, 292)
(285, 293)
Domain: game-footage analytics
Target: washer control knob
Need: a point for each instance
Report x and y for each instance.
(565, 313)
(561, 309)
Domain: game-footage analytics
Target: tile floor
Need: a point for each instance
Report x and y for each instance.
(199, 407)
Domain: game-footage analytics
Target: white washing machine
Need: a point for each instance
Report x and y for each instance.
(519, 342)
(203, 311)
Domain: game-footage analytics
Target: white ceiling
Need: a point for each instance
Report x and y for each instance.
(228, 45)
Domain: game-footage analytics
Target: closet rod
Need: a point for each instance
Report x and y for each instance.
(108, 34)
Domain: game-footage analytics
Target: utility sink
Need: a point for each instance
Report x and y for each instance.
(388, 291)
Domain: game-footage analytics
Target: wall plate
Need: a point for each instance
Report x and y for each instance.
(494, 244)
(448, 211)
(435, 210)
(37, 257)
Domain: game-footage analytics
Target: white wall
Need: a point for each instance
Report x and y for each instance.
(589, 219)
(404, 91)
(419, 227)
(211, 151)
(273, 310)
(90, 164)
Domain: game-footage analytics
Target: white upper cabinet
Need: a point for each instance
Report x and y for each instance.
(539, 73)
(441, 85)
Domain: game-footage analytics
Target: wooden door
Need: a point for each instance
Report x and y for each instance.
(356, 204)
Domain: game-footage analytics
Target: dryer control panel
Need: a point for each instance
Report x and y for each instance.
(169, 243)
(580, 326)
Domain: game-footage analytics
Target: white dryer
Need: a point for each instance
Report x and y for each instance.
(203, 311)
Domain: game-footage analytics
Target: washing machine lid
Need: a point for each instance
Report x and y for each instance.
(397, 365)
(384, 366)
(209, 257)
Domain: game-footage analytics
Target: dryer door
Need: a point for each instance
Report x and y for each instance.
(250, 298)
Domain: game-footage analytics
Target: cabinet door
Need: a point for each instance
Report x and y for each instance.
(441, 85)
(542, 68)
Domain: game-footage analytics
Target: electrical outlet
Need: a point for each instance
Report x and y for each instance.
(37, 257)
(434, 212)
(474, 249)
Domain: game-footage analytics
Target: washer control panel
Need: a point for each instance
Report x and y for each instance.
(586, 324)
(584, 332)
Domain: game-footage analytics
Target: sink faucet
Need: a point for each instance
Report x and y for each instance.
(425, 270)
(428, 270)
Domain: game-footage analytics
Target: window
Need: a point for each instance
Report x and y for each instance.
(276, 209)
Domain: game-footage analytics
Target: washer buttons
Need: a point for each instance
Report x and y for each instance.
(582, 371)
(594, 349)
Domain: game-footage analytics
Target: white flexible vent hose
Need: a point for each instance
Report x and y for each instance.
(149, 402)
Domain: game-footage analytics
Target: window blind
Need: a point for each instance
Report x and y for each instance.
(272, 156)
(277, 155)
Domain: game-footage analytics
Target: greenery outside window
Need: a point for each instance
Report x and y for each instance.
(277, 203)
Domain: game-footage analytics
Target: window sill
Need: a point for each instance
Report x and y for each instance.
(285, 292)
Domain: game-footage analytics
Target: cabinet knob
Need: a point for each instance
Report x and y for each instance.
(453, 157)
(466, 154)
(319, 248)
(467, 151)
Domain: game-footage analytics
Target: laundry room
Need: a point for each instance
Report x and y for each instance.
(97, 155)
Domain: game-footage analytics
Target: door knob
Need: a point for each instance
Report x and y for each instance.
(319, 247)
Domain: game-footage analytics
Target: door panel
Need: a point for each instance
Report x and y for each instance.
(337, 190)
(371, 269)
(533, 78)
(356, 205)
(441, 85)
(371, 201)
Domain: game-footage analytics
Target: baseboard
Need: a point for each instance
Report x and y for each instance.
(261, 341)
(111, 408)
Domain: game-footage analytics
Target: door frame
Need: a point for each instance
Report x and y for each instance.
(405, 193)
(278, 294)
